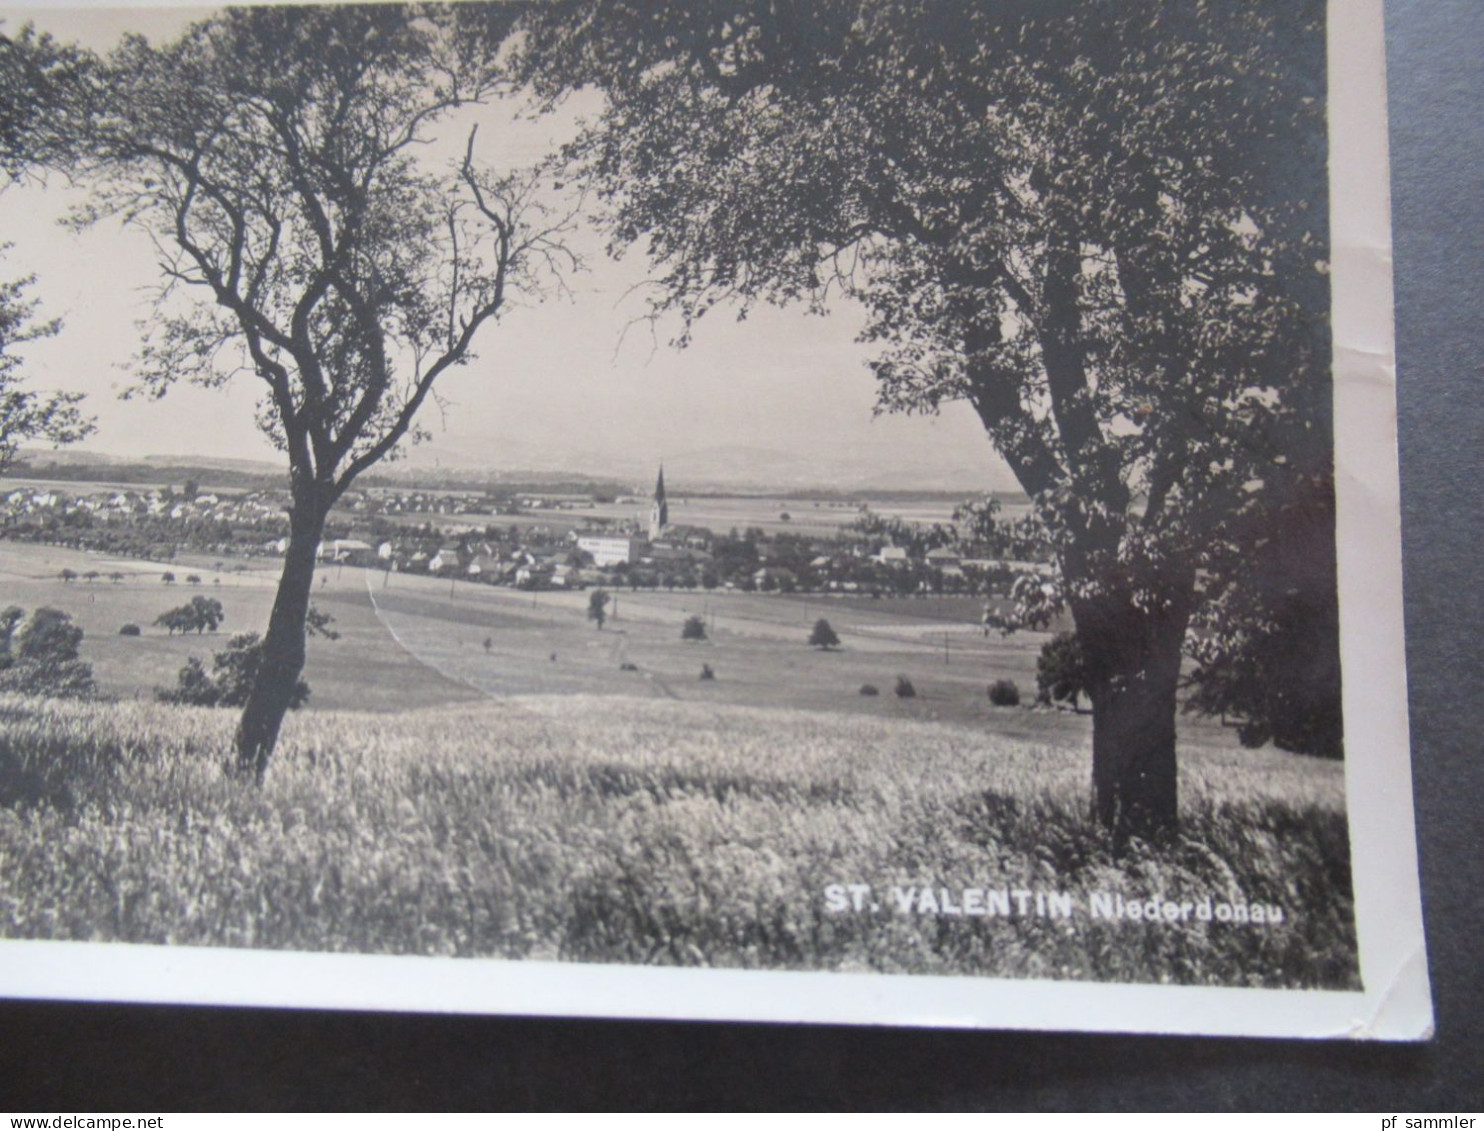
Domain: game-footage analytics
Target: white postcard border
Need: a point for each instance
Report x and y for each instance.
(1395, 1003)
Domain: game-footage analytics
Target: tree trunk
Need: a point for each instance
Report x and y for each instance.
(283, 646)
(1133, 656)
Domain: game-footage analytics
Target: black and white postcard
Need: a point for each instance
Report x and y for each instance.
(864, 511)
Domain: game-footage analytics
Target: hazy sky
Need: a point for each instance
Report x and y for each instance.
(556, 379)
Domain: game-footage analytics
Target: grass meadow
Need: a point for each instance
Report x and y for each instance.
(605, 828)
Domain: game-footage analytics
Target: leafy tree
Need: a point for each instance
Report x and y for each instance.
(208, 613)
(167, 577)
(68, 576)
(234, 673)
(274, 155)
(179, 619)
(10, 619)
(42, 657)
(823, 636)
(693, 629)
(1061, 670)
(1103, 226)
(597, 607)
(317, 623)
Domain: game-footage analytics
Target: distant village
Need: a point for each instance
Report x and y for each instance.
(502, 540)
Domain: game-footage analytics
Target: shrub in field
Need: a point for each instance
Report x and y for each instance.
(233, 670)
(626, 666)
(823, 636)
(40, 657)
(904, 688)
(869, 689)
(706, 672)
(129, 630)
(1004, 693)
(694, 629)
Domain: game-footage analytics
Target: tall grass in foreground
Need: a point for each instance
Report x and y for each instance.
(649, 832)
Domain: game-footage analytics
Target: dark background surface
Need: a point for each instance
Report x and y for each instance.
(143, 1058)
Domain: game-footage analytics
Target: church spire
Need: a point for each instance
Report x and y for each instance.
(659, 512)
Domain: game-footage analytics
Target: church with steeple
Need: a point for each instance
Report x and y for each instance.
(659, 511)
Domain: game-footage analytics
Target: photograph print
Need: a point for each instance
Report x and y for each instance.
(742, 507)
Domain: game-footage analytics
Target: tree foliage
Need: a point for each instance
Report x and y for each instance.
(39, 655)
(275, 156)
(1061, 670)
(43, 86)
(693, 629)
(1102, 225)
(1266, 648)
(200, 614)
(823, 636)
(234, 671)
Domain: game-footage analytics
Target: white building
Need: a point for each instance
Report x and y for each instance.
(610, 549)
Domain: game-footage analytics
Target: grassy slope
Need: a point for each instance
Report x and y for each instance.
(614, 829)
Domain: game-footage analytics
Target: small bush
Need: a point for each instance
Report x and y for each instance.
(694, 629)
(706, 672)
(1004, 693)
(129, 630)
(628, 667)
(869, 689)
(904, 688)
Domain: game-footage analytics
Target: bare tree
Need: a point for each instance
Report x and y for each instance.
(277, 158)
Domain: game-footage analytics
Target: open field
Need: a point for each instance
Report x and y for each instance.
(620, 830)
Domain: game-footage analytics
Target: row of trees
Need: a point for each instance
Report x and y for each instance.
(1101, 225)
